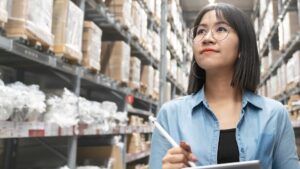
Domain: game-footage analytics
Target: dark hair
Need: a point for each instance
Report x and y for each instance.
(246, 72)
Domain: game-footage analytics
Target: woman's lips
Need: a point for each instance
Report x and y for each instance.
(208, 50)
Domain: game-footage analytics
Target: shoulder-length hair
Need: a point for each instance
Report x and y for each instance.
(246, 74)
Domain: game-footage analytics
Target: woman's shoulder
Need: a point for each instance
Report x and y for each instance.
(271, 106)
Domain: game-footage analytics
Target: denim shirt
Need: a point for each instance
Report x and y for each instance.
(264, 131)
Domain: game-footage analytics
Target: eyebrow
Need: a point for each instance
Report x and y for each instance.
(217, 23)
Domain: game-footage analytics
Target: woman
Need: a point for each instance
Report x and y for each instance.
(223, 120)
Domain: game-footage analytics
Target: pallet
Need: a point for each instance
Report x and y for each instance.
(17, 29)
(134, 87)
(68, 54)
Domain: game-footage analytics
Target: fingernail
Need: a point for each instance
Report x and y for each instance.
(194, 158)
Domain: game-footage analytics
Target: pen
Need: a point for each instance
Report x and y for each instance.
(167, 136)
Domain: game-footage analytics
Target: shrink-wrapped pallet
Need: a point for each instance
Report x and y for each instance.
(115, 59)
(147, 79)
(120, 10)
(134, 73)
(67, 29)
(31, 20)
(91, 46)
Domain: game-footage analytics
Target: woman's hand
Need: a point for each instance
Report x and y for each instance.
(178, 157)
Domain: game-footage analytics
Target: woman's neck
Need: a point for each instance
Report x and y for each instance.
(218, 87)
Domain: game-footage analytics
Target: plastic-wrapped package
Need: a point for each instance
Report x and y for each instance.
(63, 110)
(120, 9)
(3, 11)
(6, 104)
(31, 19)
(91, 46)
(67, 28)
(147, 78)
(29, 102)
(135, 73)
(115, 58)
(93, 114)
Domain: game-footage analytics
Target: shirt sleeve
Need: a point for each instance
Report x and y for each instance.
(285, 152)
(159, 145)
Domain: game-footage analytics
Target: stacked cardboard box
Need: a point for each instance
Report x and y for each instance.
(290, 28)
(281, 72)
(150, 5)
(168, 92)
(156, 46)
(3, 12)
(120, 9)
(175, 13)
(91, 46)
(67, 28)
(115, 58)
(157, 13)
(155, 95)
(30, 19)
(139, 22)
(293, 70)
(264, 65)
(100, 155)
(273, 56)
(147, 79)
(174, 68)
(134, 73)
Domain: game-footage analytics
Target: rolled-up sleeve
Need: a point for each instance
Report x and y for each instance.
(159, 145)
(285, 155)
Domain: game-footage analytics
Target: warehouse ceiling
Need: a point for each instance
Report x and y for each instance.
(192, 7)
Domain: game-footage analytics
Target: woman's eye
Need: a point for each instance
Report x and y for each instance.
(221, 29)
(200, 31)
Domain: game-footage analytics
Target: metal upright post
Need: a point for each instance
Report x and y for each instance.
(163, 61)
(73, 141)
(298, 4)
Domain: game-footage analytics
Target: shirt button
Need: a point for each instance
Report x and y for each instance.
(242, 150)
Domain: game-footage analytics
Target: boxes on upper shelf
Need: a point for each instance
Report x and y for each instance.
(273, 56)
(120, 9)
(168, 91)
(134, 73)
(31, 20)
(3, 13)
(91, 46)
(174, 68)
(155, 94)
(147, 79)
(293, 71)
(67, 28)
(290, 25)
(157, 13)
(139, 23)
(264, 65)
(115, 58)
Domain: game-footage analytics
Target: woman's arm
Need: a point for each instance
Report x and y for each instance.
(285, 152)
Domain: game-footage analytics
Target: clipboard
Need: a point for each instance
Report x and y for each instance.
(236, 165)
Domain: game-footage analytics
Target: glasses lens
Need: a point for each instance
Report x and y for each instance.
(220, 32)
(197, 33)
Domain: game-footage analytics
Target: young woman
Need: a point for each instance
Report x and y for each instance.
(223, 120)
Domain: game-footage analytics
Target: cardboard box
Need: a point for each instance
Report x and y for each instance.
(290, 26)
(115, 60)
(264, 64)
(296, 57)
(30, 19)
(168, 92)
(134, 73)
(120, 10)
(91, 46)
(147, 78)
(281, 36)
(3, 12)
(290, 71)
(157, 13)
(67, 28)
(156, 85)
(174, 68)
(273, 56)
(99, 155)
(134, 143)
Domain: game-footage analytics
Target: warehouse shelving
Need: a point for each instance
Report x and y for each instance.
(292, 46)
(275, 26)
(41, 130)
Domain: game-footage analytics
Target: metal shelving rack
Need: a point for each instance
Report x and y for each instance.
(293, 45)
(16, 54)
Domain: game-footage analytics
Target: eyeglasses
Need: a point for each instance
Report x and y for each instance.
(219, 32)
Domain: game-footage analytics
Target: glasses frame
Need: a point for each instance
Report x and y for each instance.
(192, 32)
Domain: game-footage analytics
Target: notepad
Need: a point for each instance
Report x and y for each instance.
(237, 165)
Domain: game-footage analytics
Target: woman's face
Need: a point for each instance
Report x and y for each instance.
(216, 44)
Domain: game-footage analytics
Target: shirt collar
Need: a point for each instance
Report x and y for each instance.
(248, 97)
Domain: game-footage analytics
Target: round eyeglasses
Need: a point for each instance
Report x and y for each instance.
(219, 32)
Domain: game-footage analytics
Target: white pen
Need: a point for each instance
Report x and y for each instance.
(167, 136)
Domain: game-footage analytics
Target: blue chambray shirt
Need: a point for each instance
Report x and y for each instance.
(264, 131)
